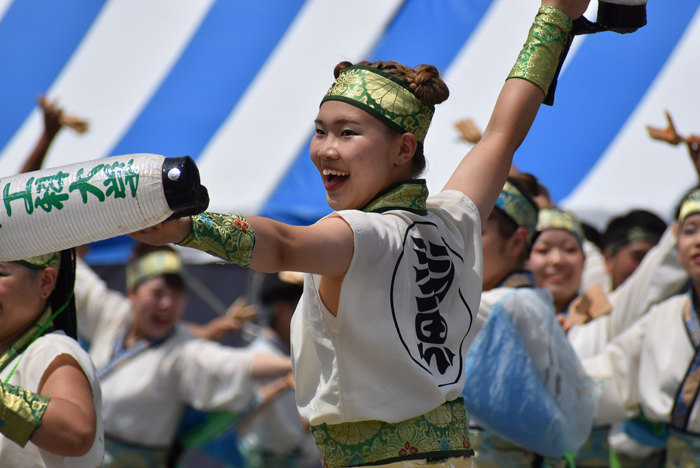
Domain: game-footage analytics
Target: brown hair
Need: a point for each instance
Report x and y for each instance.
(425, 82)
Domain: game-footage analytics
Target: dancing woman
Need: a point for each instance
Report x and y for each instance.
(393, 275)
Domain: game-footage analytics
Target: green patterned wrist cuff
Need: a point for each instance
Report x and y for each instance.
(540, 56)
(227, 236)
(20, 412)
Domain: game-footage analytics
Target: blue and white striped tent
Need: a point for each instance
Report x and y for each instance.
(236, 85)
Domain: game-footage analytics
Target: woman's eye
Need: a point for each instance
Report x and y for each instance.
(348, 132)
(319, 132)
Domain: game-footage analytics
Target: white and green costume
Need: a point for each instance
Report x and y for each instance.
(145, 394)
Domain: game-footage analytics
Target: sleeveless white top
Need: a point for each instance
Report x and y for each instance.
(36, 359)
(396, 348)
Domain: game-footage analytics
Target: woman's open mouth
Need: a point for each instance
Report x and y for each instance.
(334, 179)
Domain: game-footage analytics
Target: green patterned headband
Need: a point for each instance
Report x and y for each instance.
(690, 205)
(159, 263)
(513, 204)
(39, 262)
(634, 234)
(384, 96)
(554, 218)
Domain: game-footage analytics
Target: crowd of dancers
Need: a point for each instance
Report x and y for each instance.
(479, 326)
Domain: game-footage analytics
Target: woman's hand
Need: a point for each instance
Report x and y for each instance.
(574, 9)
(168, 232)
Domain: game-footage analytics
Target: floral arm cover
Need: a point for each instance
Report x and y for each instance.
(20, 412)
(227, 236)
(539, 58)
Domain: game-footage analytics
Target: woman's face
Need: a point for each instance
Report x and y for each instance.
(355, 155)
(156, 307)
(556, 262)
(689, 247)
(23, 294)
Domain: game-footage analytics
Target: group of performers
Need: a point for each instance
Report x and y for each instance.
(417, 316)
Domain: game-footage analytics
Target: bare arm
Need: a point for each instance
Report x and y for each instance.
(324, 248)
(52, 125)
(69, 423)
(484, 170)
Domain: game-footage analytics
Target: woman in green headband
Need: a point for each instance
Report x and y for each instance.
(50, 397)
(393, 276)
(654, 364)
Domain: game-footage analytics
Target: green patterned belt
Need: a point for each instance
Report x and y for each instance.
(440, 433)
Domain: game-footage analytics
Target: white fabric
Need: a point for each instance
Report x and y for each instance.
(33, 364)
(144, 398)
(658, 277)
(645, 366)
(365, 363)
(594, 269)
(277, 427)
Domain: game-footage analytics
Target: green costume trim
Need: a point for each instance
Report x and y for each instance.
(20, 412)
(159, 263)
(440, 433)
(227, 236)
(554, 218)
(384, 96)
(25, 340)
(690, 205)
(512, 203)
(546, 41)
(39, 262)
(408, 195)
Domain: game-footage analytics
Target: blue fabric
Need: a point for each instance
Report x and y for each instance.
(506, 394)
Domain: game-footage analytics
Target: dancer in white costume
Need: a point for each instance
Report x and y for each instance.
(50, 396)
(653, 364)
(150, 365)
(394, 275)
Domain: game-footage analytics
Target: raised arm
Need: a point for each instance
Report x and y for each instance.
(484, 170)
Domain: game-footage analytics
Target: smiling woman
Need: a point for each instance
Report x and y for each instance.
(50, 397)
(151, 366)
(394, 275)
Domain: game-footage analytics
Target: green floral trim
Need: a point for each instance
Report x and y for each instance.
(410, 196)
(440, 433)
(25, 340)
(547, 40)
(20, 412)
(227, 236)
(384, 96)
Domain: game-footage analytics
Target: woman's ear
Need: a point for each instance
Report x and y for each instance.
(47, 281)
(407, 145)
(517, 243)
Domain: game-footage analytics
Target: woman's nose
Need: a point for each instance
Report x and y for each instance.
(554, 256)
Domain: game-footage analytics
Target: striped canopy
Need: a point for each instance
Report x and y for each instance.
(236, 85)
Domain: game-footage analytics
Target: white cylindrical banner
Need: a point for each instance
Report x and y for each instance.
(55, 209)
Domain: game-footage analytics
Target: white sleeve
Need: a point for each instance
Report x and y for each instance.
(594, 269)
(95, 302)
(658, 277)
(215, 377)
(618, 368)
